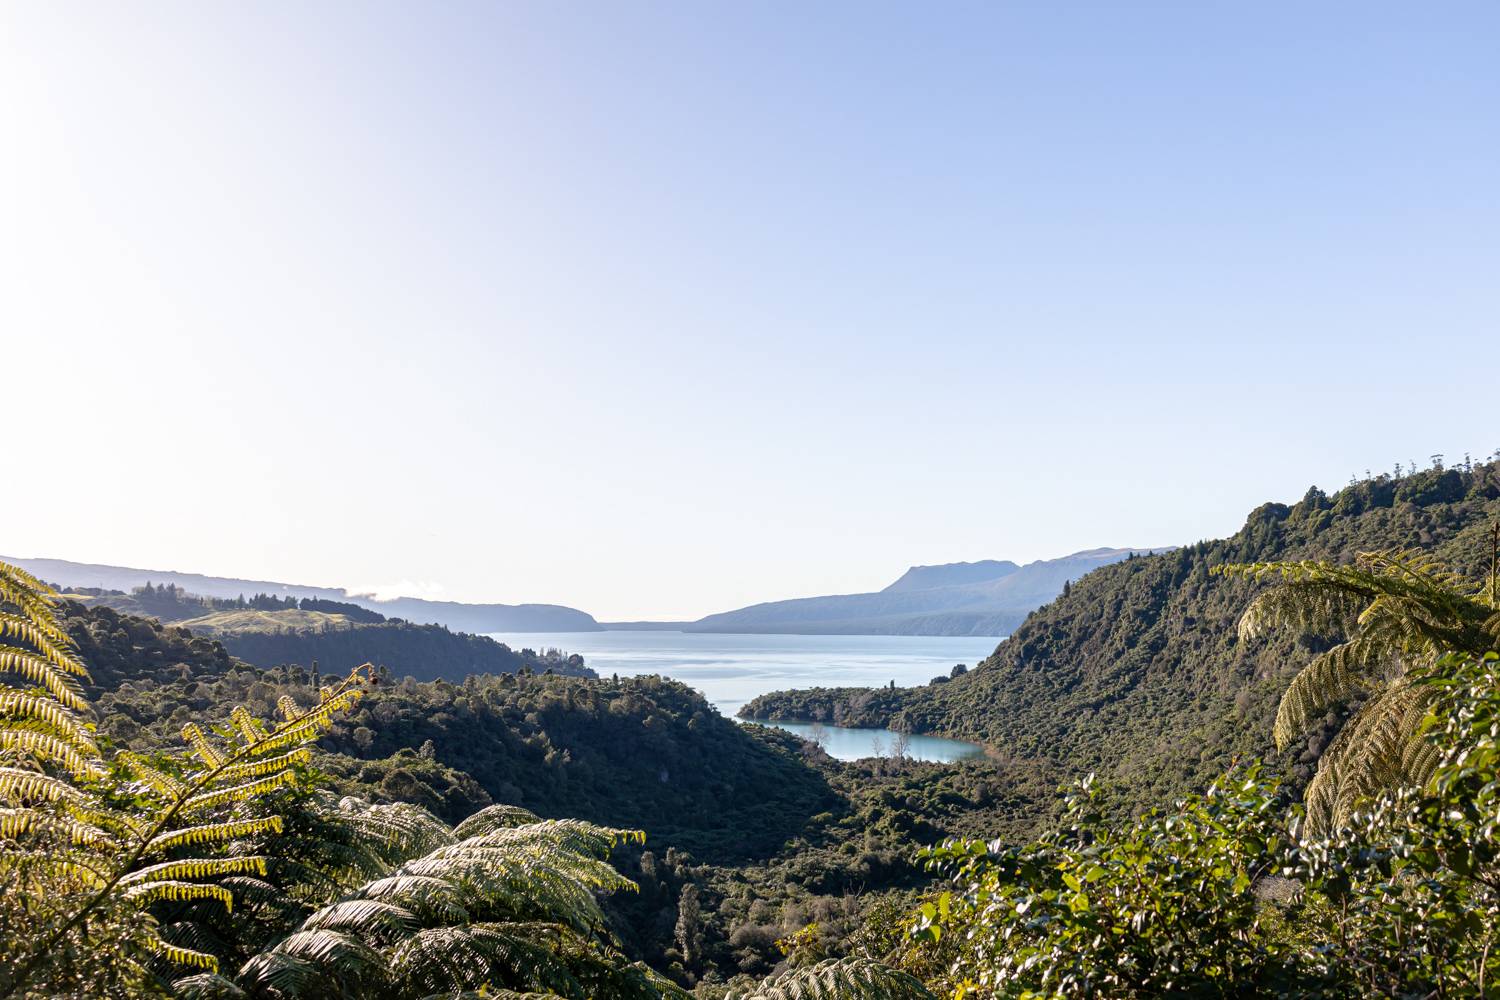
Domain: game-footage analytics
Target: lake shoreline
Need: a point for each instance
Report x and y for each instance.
(843, 742)
(732, 669)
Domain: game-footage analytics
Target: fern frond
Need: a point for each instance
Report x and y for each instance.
(30, 786)
(277, 973)
(33, 598)
(237, 793)
(842, 979)
(399, 830)
(26, 580)
(39, 670)
(450, 959)
(1313, 607)
(1329, 679)
(566, 834)
(496, 817)
(208, 986)
(49, 749)
(317, 722)
(1491, 628)
(1418, 569)
(1382, 746)
(361, 916)
(58, 653)
(1375, 758)
(117, 823)
(268, 765)
(437, 900)
(519, 885)
(73, 867)
(253, 892)
(206, 751)
(196, 868)
(146, 772)
(316, 957)
(199, 935)
(249, 726)
(67, 724)
(184, 956)
(1421, 755)
(175, 890)
(213, 833)
(146, 826)
(16, 823)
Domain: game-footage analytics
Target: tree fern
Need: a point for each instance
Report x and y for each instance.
(100, 833)
(1392, 611)
(840, 979)
(509, 910)
(496, 817)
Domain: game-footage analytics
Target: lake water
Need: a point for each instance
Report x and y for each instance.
(731, 669)
(847, 743)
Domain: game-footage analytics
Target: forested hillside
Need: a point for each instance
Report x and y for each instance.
(267, 631)
(425, 652)
(454, 614)
(1137, 671)
(762, 831)
(767, 858)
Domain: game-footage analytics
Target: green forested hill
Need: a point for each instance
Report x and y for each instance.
(426, 652)
(1137, 671)
(270, 631)
(762, 831)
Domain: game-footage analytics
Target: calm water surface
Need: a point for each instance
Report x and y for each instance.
(847, 743)
(731, 669)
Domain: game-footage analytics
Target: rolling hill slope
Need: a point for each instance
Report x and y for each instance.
(463, 617)
(1138, 672)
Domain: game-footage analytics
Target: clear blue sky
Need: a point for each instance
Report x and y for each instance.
(660, 309)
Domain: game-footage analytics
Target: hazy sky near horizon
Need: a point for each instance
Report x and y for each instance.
(658, 309)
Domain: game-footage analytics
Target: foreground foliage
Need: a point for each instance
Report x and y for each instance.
(507, 904)
(226, 856)
(1226, 895)
(97, 835)
(1407, 894)
(1139, 674)
(1164, 906)
(839, 979)
(1391, 612)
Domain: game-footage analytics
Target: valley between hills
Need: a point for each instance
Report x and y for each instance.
(764, 853)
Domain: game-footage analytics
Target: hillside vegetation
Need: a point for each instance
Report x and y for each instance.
(1138, 672)
(267, 631)
(156, 851)
(454, 614)
(764, 831)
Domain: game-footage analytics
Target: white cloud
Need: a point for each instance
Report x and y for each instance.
(426, 589)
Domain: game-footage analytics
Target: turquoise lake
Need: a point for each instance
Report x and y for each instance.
(730, 669)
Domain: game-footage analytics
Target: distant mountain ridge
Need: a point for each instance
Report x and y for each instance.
(1140, 674)
(986, 598)
(477, 618)
(952, 575)
(990, 598)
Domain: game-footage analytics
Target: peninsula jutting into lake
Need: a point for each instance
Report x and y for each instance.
(645, 500)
